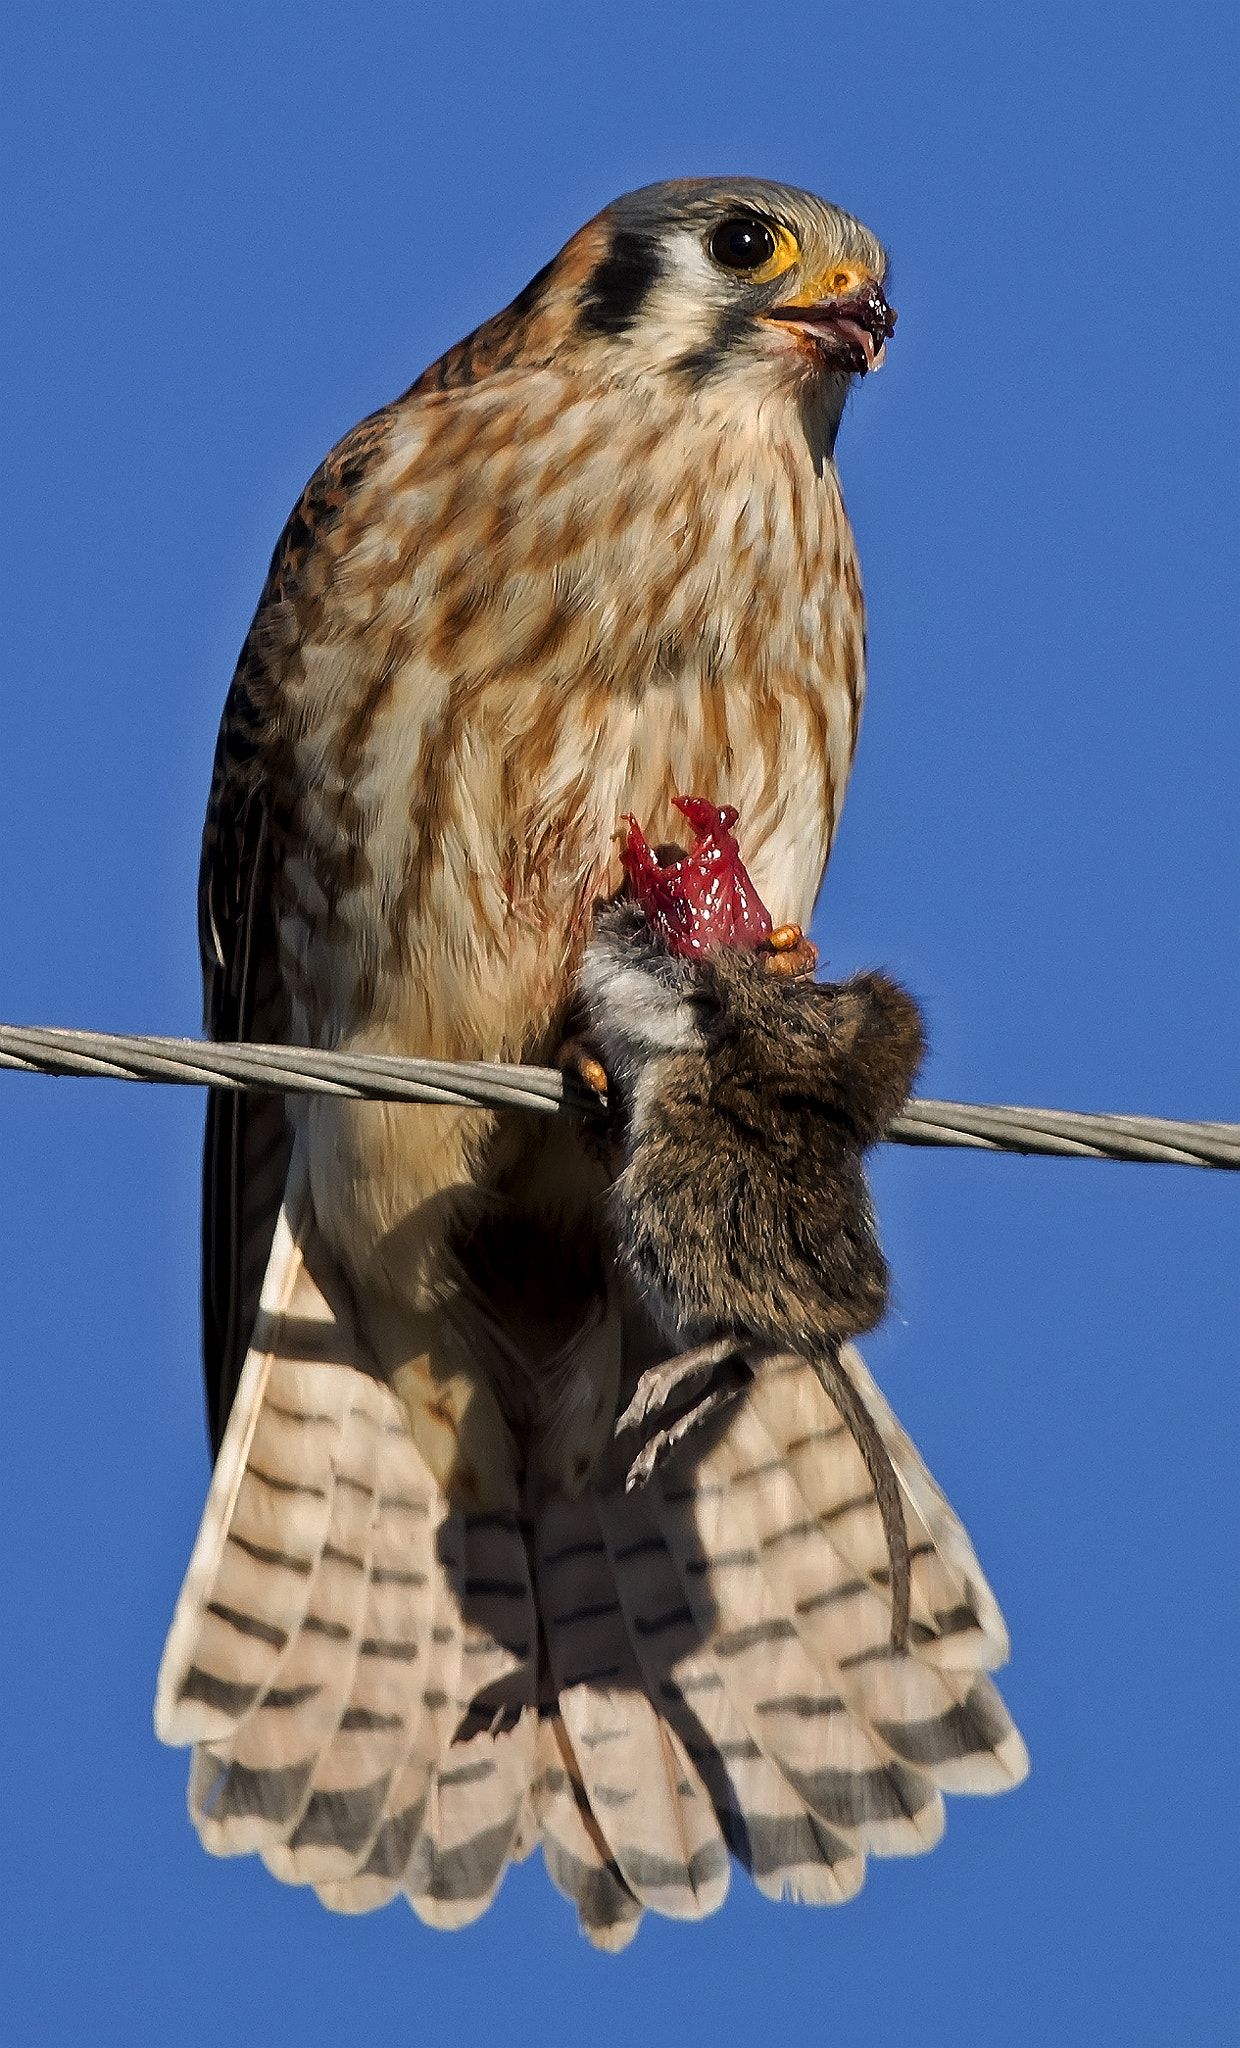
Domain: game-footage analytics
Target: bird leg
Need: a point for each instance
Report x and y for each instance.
(712, 1374)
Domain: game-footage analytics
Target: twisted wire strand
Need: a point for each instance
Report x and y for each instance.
(376, 1077)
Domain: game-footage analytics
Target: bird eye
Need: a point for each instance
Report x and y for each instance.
(742, 244)
(754, 249)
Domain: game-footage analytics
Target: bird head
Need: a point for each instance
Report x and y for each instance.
(700, 278)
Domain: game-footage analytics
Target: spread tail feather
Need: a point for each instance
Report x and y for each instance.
(645, 1793)
(381, 1700)
(338, 1620)
(578, 1861)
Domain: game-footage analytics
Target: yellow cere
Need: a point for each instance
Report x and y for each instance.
(833, 284)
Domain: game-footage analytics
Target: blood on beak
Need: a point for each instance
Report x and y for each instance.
(850, 331)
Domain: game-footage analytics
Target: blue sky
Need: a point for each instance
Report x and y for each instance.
(231, 231)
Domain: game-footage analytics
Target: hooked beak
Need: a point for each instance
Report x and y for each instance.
(851, 332)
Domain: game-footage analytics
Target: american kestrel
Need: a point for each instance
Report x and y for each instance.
(595, 558)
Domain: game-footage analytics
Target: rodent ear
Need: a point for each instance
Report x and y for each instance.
(877, 1045)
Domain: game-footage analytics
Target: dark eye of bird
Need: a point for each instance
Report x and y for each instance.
(742, 244)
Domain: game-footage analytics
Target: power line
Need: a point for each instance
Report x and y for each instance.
(375, 1077)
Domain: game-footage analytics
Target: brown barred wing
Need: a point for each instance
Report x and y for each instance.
(248, 1143)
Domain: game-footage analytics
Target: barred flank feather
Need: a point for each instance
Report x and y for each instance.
(357, 1663)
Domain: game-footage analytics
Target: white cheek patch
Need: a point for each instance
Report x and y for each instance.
(682, 305)
(689, 270)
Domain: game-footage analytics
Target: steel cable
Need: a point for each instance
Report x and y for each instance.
(375, 1077)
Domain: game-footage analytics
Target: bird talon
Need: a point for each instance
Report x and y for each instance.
(576, 1060)
(789, 953)
(594, 1074)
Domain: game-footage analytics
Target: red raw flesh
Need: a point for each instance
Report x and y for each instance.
(706, 900)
